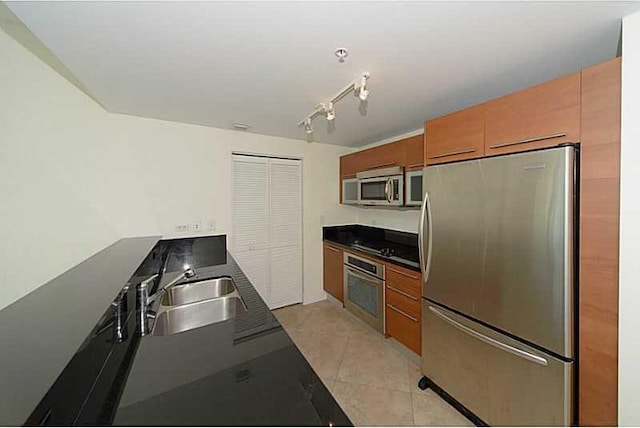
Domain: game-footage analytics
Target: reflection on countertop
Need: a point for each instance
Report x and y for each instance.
(242, 371)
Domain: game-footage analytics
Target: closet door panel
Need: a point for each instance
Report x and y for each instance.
(285, 277)
(250, 204)
(285, 203)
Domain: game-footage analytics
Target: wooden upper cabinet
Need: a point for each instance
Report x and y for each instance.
(544, 115)
(415, 152)
(387, 155)
(332, 271)
(349, 164)
(456, 136)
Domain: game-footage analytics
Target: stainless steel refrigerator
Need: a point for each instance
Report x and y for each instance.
(497, 255)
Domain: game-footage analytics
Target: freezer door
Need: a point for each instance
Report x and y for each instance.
(501, 380)
(502, 243)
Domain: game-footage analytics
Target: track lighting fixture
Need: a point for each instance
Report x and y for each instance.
(364, 92)
(307, 126)
(330, 111)
(327, 109)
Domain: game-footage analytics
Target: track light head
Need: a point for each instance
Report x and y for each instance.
(307, 126)
(330, 111)
(364, 92)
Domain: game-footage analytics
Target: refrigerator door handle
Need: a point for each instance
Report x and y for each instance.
(423, 212)
(490, 341)
(425, 260)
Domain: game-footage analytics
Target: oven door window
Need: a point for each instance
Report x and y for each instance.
(363, 292)
(373, 190)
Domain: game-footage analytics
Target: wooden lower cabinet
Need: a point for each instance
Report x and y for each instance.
(403, 319)
(332, 271)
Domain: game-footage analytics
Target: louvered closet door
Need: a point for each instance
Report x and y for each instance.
(251, 219)
(285, 232)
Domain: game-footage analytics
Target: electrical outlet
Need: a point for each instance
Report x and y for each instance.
(211, 224)
(182, 227)
(197, 226)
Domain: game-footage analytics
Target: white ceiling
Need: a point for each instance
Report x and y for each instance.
(268, 64)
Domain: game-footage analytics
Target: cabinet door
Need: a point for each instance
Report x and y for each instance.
(349, 164)
(457, 136)
(403, 288)
(387, 155)
(332, 272)
(415, 152)
(544, 115)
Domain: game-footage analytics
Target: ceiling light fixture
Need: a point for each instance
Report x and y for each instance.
(364, 92)
(341, 53)
(307, 126)
(330, 111)
(327, 109)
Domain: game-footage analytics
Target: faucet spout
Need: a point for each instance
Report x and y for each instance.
(186, 274)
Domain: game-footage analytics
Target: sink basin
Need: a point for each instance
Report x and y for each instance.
(196, 291)
(177, 319)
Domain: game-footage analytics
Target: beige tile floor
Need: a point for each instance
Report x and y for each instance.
(372, 380)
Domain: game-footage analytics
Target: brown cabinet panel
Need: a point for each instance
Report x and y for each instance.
(403, 301)
(349, 164)
(403, 317)
(404, 327)
(332, 271)
(387, 155)
(544, 115)
(599, 237)
(404, 279)
(457, 136)
(415, 152)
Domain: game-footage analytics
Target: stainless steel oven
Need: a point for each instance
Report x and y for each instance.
(381, 187)
(364, 289)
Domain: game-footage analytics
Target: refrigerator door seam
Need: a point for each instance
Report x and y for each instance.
(508, 348)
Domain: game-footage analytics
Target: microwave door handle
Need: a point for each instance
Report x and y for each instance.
(389, 190)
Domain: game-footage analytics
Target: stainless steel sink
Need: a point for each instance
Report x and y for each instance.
(177, 319)
(196, 291)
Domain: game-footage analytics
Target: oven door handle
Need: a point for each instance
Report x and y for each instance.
(362, 276)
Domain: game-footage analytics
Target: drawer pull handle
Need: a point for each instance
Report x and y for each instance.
(491, 341)
(402, 273)
(402, 292)
(459, 152)
(402, 313)
(529, 140)
(333, 249)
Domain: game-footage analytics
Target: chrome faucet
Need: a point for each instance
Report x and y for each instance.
(144, 300)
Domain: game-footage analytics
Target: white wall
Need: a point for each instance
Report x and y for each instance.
(75, 178)
(629, 315)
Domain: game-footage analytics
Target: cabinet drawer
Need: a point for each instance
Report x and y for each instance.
(542, 116)
(403, 327)
(404, 279)
(457, 136)
(403, 301)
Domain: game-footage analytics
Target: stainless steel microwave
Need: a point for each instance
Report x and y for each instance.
(381, 187)
(413, 188)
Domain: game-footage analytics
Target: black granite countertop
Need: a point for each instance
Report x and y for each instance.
(243, 371)
(390, 245)
(41, 332)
